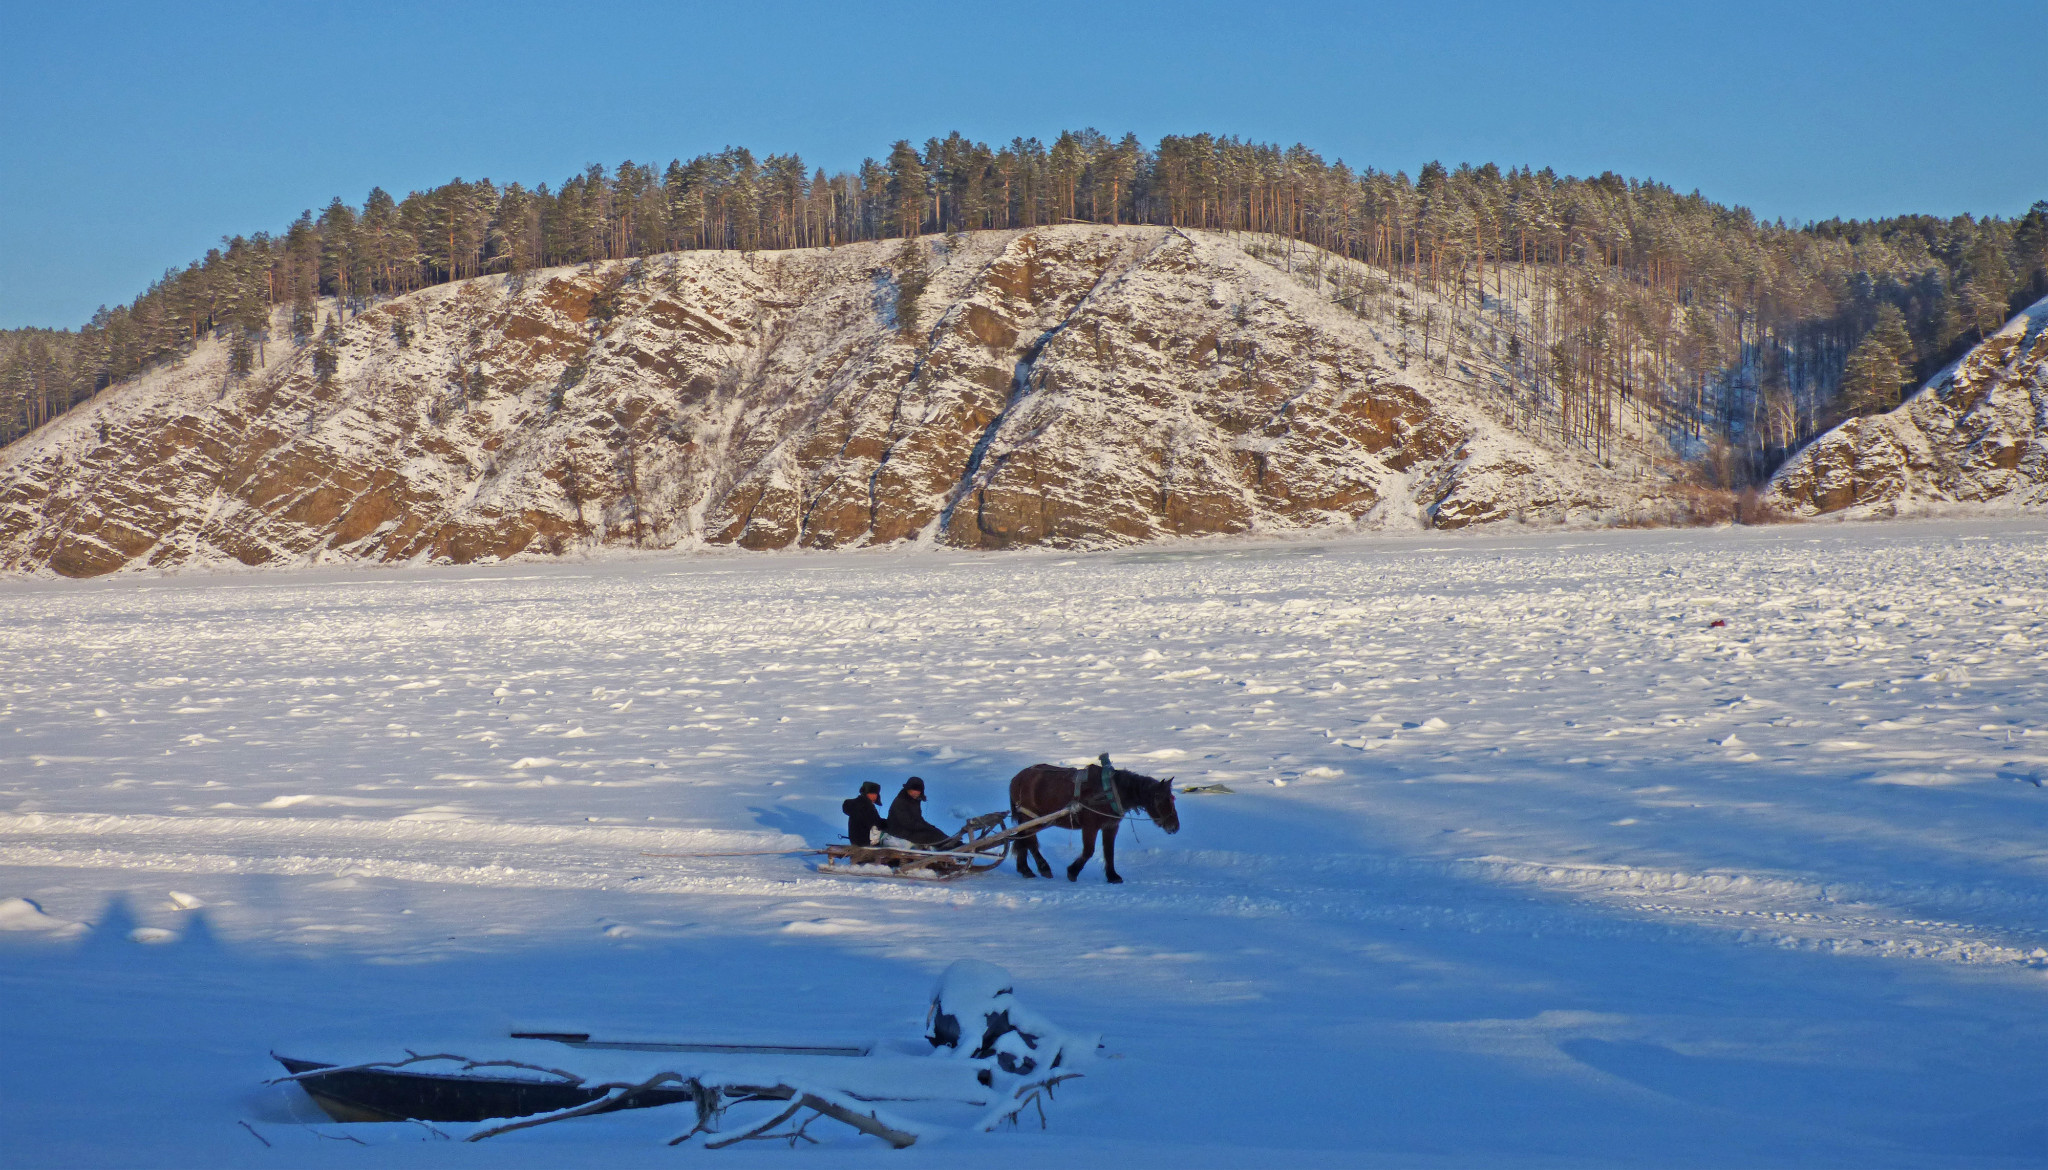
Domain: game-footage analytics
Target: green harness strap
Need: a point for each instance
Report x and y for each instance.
(1116, 805)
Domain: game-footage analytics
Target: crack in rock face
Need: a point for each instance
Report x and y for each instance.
(1074, 386)
(1975, 434)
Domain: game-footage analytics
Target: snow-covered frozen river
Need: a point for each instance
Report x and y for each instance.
(1648, 848)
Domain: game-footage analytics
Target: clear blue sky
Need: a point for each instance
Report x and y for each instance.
(135, 135)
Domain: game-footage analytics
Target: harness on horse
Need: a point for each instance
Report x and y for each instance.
(1109, 792)
(1106, 776)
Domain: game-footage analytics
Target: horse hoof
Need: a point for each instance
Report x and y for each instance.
(1114, 880)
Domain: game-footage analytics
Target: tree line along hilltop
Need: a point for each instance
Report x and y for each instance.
(1747, 337)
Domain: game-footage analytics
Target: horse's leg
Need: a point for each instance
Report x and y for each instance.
(1087, 851)
(1109, 853)
(1024, 847)
(1044, 866)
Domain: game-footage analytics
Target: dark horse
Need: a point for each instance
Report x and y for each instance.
(1047, 788)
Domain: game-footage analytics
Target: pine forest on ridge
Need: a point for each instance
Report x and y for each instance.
(1746, 337)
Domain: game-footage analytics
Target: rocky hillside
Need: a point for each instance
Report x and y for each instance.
(1977, 433)
(1060, 386)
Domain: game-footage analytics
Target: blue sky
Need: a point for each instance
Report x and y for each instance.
(135, 135)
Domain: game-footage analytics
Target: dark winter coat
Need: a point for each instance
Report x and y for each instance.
(906, 820)
(862, 816)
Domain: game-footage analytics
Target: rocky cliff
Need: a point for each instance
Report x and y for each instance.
(1061, 386)
(1977, 433)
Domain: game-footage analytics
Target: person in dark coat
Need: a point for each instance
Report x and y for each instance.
(906, 816)
(864, 824)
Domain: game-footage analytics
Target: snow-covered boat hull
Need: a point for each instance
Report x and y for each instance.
(381, 1094)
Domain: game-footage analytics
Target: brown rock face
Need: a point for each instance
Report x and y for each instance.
(1062, 386)
(1976, 434)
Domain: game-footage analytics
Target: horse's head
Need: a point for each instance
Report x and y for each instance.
(1158, 803)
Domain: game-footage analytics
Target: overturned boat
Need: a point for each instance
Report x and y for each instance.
(398, 1094)
(996, 1059)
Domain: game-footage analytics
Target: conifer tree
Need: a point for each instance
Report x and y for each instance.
(1890, 331)
(2030, 248)
(912, 276)
(302, 268)
(1988, 287)
(327, 354)
(241, 352)
(338, 266)
(1872, 376)
(906, 189)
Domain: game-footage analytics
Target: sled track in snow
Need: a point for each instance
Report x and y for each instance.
(1484, 894)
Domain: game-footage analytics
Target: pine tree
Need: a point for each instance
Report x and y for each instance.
(302, 268)
(302, 312)
(907, 189)
(1872, 376)
(327, 354)
(2030, 246)
(1890, 331)
(1988, 289)
(338, 264)
(241, 352)
(911, 278)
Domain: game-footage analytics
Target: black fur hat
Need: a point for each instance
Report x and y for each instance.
(867, 786)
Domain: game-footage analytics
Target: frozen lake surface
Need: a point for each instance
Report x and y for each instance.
(1623, 848)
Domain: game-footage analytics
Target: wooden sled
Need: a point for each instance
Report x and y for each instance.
(980, 846)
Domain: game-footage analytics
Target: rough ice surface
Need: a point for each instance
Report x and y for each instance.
(1526, 860)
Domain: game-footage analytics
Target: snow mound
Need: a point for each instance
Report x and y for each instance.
(975, 1013)
(23, 915)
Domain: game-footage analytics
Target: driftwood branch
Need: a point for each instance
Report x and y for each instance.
(601, 1105)
(799, 1100)
(866, 1123)
(339, 1137)
(710, 1107)
(1035, 1094)
(801, 1131)
(758, 1130)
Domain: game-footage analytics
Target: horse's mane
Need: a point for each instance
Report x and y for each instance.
(1142, 786)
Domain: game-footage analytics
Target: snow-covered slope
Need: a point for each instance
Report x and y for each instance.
(1066, 386)
(1976, 433)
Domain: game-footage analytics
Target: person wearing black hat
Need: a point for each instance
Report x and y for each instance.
(906, 817)
(864, 825)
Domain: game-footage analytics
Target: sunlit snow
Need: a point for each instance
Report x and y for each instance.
(1620, 848)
